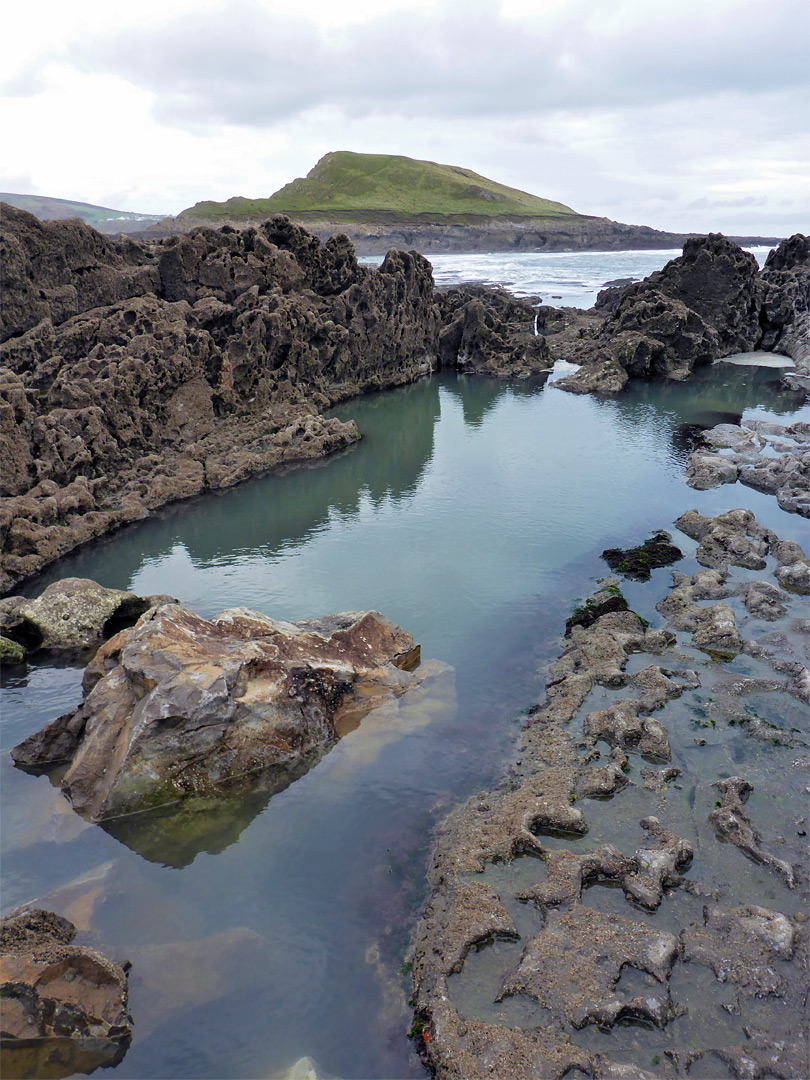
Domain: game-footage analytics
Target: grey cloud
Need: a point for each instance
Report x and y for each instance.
(244, 66)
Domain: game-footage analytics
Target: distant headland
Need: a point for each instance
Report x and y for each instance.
(382, 201)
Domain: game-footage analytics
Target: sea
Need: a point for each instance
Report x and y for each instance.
(558, 278)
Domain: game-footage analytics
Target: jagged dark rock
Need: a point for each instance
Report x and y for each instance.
(488, 331)
(132, 374)
(710, 302)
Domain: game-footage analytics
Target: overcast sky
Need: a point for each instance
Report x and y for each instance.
(680, 114)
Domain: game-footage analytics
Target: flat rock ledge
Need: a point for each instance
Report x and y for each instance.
(520, 953)
(774, 458)
(180, 706)
(64, 1007)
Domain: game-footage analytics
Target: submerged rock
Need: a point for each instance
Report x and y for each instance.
(180, 705)
(64, 1006)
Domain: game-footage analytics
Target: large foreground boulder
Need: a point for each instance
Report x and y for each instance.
(64, 1007)
(180, 705)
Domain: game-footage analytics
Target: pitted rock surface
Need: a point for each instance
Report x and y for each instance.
(132, 374)
(574, 965)
(71, 615)
(710, 302)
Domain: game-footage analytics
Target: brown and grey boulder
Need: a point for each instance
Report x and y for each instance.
(64, 1007)
(183, 706)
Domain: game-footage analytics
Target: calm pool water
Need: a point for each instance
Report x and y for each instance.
(472, 513)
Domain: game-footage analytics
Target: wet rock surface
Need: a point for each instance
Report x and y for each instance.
(710, 302)
(180, 706)
(637, 562)
(64, 1006)
(534, 955)
(769, 457)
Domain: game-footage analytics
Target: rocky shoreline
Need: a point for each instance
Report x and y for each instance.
(534, 934)
(135, 373)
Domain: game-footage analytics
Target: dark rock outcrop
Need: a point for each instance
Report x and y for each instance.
(710, 302)
(183, 706)
(64, 1007)
(134, 374)
(488, 331)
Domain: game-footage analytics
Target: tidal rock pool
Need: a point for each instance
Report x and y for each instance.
(473, 514)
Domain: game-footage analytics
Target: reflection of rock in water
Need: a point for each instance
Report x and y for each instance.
(175, 835)
(477, 396)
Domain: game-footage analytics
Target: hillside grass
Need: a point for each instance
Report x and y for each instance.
(49, 209)
(388, 189)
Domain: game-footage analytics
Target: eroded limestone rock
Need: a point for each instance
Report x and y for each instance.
(572, 966)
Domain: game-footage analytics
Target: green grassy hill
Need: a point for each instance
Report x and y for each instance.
(47, 209)
(386, 188)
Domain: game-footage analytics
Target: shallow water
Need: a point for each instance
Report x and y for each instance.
(472, 513)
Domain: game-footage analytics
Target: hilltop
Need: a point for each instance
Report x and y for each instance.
(386, 188)
(103, 218)
(383, 201)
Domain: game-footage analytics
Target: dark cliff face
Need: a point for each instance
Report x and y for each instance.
(132, 374)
